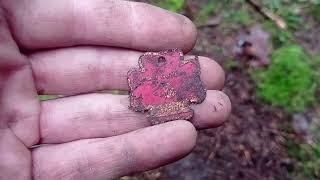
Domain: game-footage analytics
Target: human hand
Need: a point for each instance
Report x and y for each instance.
(70, 47)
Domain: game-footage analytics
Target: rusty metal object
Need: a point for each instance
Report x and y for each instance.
(165, 85)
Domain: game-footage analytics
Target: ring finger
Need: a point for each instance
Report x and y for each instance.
(104, 115)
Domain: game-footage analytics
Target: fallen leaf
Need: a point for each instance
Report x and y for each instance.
(254, 46)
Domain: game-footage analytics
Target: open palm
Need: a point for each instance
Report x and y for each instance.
(71, 47)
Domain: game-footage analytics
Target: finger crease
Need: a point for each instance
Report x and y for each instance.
(132, 25)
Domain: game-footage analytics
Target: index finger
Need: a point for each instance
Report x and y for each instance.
(38, 24)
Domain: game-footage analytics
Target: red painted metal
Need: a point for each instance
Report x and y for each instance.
(164, 86)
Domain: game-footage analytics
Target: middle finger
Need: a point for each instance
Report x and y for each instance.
(87, 69)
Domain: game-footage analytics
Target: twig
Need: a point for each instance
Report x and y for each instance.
(268, 14)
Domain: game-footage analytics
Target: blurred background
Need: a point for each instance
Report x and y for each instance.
(270, 50)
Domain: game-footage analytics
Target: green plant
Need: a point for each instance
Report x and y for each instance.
(288, 81)
(206, 12)
(293, 20)
(171, 5)
(315, 64)
(241, 16)
(279, 37)
(46, 97)
(230, 64)
(315, 12)
(307, 157)
(288, 10)
(273, 5)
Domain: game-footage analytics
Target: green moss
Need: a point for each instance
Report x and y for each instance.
(273, 5)
(308, 159)
(293, 20)
(279, 37)
(288, 81)
(315, 64)
(171, 5)
(315, 12)
(230, 64)
(46, 97)
(240, 17)
(206, 12)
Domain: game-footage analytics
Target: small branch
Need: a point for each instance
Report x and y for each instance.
(268, 14)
